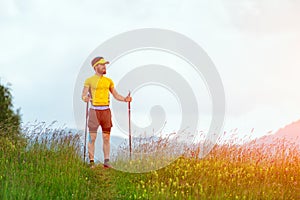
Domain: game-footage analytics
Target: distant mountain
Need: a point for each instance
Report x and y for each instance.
(291, 131)
(117, 140)
(288, 135)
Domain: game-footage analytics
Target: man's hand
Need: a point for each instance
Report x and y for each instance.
(86, 98)
(85, 95)
(128, 99)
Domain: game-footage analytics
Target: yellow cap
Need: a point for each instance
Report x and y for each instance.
(99, 60)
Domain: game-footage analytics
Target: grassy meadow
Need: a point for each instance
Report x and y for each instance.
(49, 165)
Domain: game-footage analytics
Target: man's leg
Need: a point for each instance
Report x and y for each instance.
(93, 125)
(106, 143)
(91, 145)
(104, 117)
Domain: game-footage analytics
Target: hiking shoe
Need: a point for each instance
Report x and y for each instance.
(92, 164)
(106, 165)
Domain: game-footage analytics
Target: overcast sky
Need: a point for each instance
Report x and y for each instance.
(254, 45)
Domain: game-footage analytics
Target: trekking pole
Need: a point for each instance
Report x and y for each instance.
(129, 126)
(85, 129)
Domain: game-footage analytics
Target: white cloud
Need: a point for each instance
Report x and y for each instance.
(264, 16)
(254, 45)
(8, 9)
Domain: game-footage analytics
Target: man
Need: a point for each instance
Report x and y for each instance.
(96, 89)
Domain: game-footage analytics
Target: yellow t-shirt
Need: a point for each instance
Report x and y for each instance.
(99, 89)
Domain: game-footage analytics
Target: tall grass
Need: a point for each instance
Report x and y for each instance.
(148, 153)
(230, 171)
(48, 167)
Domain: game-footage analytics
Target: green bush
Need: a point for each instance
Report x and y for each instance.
(10, 134)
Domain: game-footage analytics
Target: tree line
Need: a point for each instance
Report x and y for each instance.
(10, 121)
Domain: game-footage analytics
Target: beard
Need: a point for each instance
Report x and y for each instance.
(101, 71)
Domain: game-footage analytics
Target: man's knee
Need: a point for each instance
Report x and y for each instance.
(92, 137)
(106, 136)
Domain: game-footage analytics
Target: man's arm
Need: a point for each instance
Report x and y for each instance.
(119, 97)
(84, 95)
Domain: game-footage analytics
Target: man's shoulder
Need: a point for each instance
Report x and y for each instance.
(91, 77)
(108, 79)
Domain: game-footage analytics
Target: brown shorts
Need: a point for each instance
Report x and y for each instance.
(99, 118)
